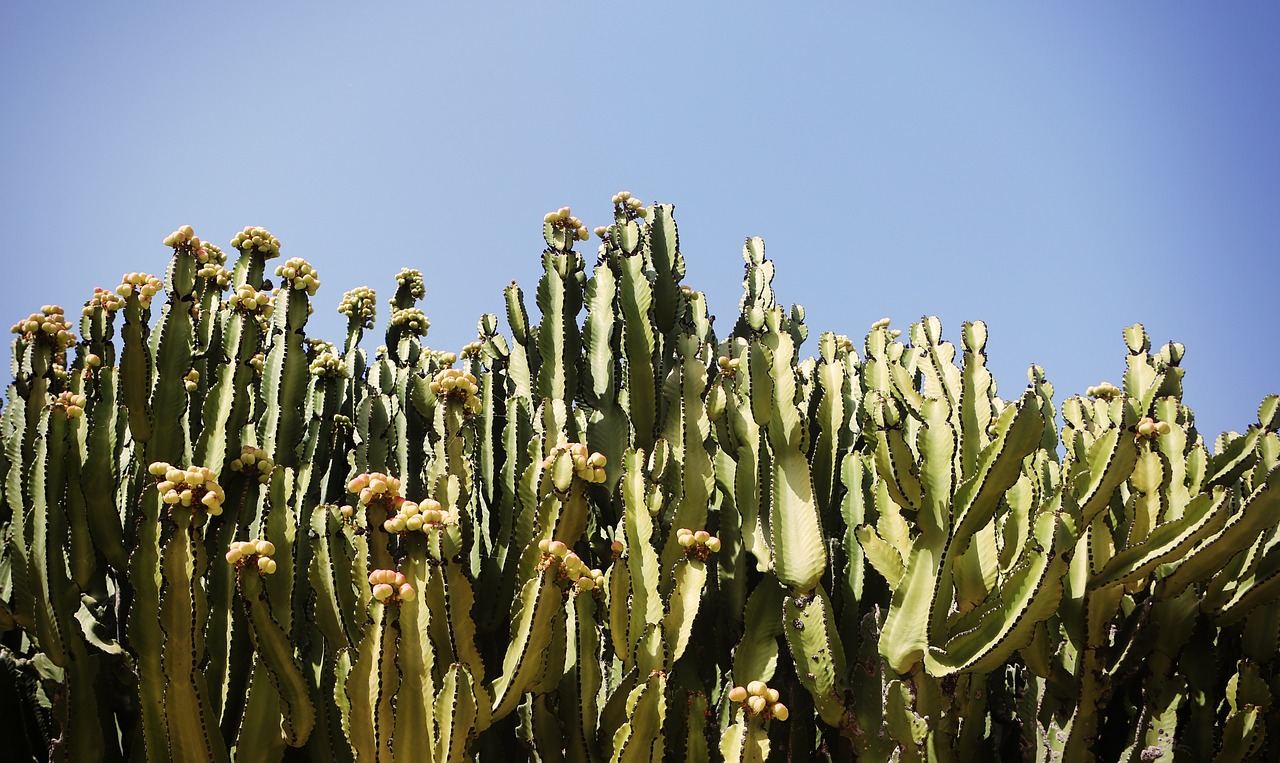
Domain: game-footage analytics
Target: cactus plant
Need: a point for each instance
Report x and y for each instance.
(610, 534)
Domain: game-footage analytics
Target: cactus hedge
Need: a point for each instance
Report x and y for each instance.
(610, 534)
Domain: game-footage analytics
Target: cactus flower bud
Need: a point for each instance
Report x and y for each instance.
(756, 688)
(407, 593)
(266, 565)
(780, 711)
(757, 704)
(738, 694)
(382, 591)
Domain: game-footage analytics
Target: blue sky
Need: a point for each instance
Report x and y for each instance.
(1059, 172)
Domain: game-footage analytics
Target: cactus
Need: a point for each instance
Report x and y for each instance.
(610, 534)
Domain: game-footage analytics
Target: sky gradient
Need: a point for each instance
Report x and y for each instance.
(1059, 172)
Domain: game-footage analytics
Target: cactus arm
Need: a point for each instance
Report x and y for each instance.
(697, 477)
(136, 367)
(800, 555)
(371, 685)
(145, 638)
(457, 709)
(641, 737)
(99, 473)
(417, 661)
(810, 628)
(668, 266)
(904, 638)
(1257, 586)
(284, 379)
(583, 675)
(1204, 516)
(531, 633)
(276, 652)
(1229, 463)
(895, 462)
(174, 344)
(1111, 459)
(746, 740)
(1030, 594)
(937, 442)
(904, 726)
(258, 738)
(998, 467)
(642, 560)
(830, 419)
(226, 407)
(690, 576)
(639, 346)
(756, 656)
(884, 558)
(1208, 556)
(183, 612)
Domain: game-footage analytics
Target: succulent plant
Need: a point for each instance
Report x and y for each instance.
(611, 533)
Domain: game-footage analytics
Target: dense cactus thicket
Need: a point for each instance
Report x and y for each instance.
(611, 534)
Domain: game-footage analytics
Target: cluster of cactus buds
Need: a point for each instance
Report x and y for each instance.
(728, 366)
(844, 344)
(183, 238)
(617, 549)
(441, 357)
(472, 349)
(70, 402)
(191, 382)
(588, 467)
(48, 325)
(328, 364)
(298, 274)
(144, 285)
(573, 570)
(255, 460)
(257, 239)
(390, 586)
(215, 272)
(458, 385)
(189, 487)
(623, 201)
(360, 304)
(1149, 429)
(410, 320)
(1104, 391)
(377, 489)
(411, 278)
(250, 301)
(253, 553)
(883, 323)
(562, 218)
(418, 517)
(758, 698)
(698, 544)
(103, 300)
(257, 362)
(208, 253)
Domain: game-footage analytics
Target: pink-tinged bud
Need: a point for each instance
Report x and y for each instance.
(407, 593)
(382, 592)
(737, 694)
(757, 704)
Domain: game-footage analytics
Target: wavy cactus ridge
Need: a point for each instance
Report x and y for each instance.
(612, 534)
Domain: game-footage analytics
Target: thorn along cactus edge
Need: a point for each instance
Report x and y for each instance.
(610, 536)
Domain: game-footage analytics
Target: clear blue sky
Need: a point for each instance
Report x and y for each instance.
(1057, 170)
